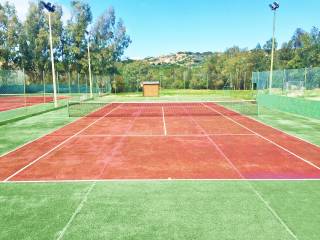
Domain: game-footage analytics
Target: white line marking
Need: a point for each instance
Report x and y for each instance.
(163, 101)
(161, 180)
(76, 212)
(270, 141)
(274, 213)
(157, 135)
(84, 200)
(34, 140)
(164, 123)
(288, 134)
(57, 146)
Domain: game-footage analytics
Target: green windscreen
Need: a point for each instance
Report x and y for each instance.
(300, 106)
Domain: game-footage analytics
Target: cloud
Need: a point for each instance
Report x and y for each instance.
(22, 7)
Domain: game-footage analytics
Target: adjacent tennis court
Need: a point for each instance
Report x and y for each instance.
(14, 101)
(199, 140)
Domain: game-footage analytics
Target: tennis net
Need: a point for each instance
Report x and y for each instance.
(158, 109)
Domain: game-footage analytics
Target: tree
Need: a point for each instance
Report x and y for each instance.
(297, 38)
(268, 46)
(109, 42)
(74, 40)
(10, 29)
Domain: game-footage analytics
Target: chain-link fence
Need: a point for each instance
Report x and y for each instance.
(304, 82)
(24, 94)
(295, 91)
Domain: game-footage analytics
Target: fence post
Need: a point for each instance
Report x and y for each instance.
(245, 79)
(85, 76)
(284, 82)
(24, 89)
(305, 79)
(78, 78)
(69, 80)
(44, 87)
(58, 85)
(252, 81)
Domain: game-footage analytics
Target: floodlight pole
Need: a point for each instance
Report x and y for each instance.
(52, 64)
(89, 64)
(273, 49)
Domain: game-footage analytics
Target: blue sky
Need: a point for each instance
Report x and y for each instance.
(166, 26)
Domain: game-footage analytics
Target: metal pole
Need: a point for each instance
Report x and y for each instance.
(44, 87)
(78, 78)
(283, 81)
(69, 79)
(252, 81)
(52, 64)
(272, 52)
(90, 76)
(305, 78)
(87, 85)
(58, 86)
(244, 82)
(24, 89)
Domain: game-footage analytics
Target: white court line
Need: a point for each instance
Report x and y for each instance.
(79, 208)
(76, 212)
(270, 141)
(168, 135)
(34, 140)
(57, 146)
(164, 123)
(288, 134)
(274, 213)
(159, 180)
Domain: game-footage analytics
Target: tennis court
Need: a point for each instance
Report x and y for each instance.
(148, 141)
(14, 101)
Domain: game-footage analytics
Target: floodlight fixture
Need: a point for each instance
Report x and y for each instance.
(274, 6)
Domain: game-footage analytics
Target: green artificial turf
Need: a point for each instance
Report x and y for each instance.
(17, 133)
(299, 126)
(160, 210)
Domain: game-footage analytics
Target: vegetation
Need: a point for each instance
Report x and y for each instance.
(24, 45)
(230, 69)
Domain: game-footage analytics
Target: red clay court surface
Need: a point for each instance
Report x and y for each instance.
(163, 141)
(13, 102)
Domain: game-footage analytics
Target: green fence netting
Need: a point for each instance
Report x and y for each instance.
(304, 82)
(24, 94)
(299, 106)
